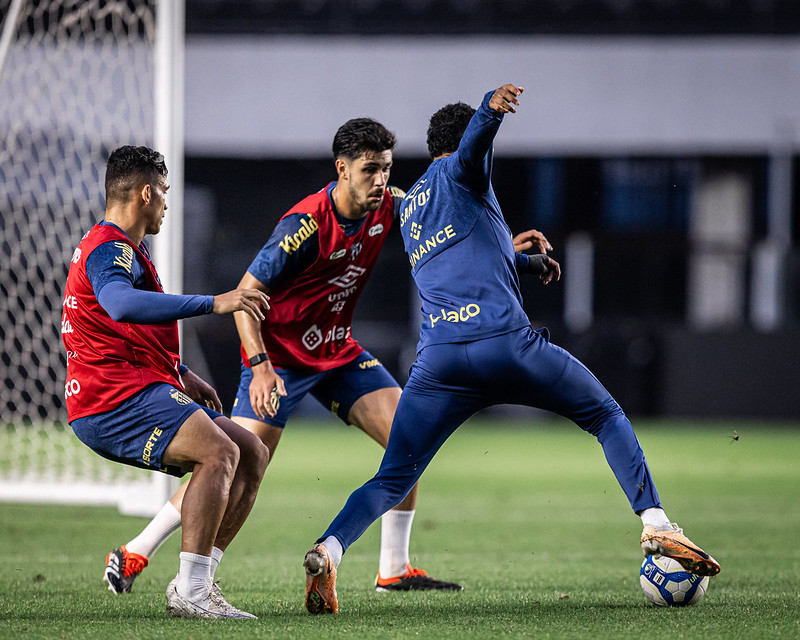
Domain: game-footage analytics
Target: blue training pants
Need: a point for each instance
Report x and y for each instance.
(450, 382)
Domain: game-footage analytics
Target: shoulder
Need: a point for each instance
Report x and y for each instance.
(396, 192)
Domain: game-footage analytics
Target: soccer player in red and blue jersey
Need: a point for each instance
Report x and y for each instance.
(477, 347)
(131, 400)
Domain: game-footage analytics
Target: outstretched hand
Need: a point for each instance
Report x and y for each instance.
(504, 98)
(528, 239)
(252, 301)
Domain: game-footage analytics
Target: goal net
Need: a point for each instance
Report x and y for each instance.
(76, 81)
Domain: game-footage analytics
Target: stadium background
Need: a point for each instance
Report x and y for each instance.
(656, 147)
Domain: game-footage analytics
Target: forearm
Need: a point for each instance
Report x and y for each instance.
(124, 303)
(250, 334)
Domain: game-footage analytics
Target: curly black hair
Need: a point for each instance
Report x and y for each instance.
(359, 135)
(446, 128)
(128, 168)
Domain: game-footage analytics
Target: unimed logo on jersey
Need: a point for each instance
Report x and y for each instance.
(350, 275)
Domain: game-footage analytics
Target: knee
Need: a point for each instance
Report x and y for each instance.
(224, 456)
(255, 456)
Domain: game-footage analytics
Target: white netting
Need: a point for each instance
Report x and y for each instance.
(76, 82)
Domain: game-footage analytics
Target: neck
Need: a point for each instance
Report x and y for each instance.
(344, 204)
(125, 219)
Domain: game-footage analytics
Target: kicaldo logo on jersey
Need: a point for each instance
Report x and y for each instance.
(291, 243)
(313, 338)
(461, 315)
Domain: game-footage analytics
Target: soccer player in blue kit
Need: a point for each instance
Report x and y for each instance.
(477, 347)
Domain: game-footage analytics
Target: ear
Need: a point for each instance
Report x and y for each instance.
(145, 194)
(342, 168)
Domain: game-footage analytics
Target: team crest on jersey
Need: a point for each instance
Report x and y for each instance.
(180, 397)
(375, 229)
(341, 253)
(347, 279)
(355, 250)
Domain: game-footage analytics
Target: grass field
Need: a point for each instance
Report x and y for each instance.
(529, 520)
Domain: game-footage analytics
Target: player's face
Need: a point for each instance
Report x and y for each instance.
(157, 205)
(367, 177)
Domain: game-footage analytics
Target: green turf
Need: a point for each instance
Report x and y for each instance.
(530, 520)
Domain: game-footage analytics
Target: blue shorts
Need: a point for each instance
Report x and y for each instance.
(337, 389)
(137, 432)
(451, 382)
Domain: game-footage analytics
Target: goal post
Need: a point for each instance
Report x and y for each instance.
(77, 79)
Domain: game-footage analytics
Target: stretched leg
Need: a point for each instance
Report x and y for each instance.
(373, 414)
(540, 374)
(548, 377)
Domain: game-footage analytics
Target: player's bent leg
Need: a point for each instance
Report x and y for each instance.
(203, 447)
(253, 459)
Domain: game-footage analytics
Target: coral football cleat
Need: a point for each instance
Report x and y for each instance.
(320, 581)
(122, 567)
(668, 540)
(414, 580)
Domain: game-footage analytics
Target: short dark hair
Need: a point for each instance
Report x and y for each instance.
(359, 135)
(447, 126)
(128, 167)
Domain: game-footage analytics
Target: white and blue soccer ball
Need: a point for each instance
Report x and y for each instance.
(666, 583)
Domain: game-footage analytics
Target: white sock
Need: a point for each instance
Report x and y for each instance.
(395, 538)
(334, 548)
(216, 556)
(194, 578)
(161, 527)
(654, 516)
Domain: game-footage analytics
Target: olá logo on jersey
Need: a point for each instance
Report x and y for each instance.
(375, 229)
(347, 279)
(341, 253)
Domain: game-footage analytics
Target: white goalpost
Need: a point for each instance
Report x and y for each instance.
(77, 79)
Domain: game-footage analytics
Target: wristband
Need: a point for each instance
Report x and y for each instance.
(258, 359)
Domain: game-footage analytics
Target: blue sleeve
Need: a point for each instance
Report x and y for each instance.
(522, 262)
(290, 250)
(115, 283)
(472, 161)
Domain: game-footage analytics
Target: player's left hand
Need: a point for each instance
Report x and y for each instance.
(528, 239)
(200, 391)
(504, 98)
(545, 267)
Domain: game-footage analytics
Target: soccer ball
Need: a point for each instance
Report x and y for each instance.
(666, 583)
